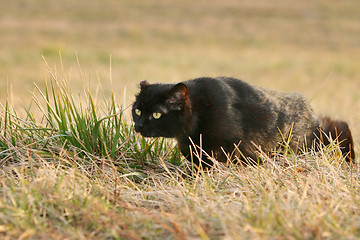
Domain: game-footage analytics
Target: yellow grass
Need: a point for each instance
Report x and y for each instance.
(312, 47)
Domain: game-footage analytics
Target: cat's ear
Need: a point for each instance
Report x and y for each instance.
(178, 96)
(144, 84)
(179, 92)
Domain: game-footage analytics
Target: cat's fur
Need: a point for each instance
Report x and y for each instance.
(219, 113)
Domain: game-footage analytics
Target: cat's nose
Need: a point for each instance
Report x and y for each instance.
(139, 127)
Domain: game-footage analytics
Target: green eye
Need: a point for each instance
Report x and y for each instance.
(138, 112)
(156, 115)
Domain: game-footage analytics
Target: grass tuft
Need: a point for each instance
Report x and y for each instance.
(88, 129)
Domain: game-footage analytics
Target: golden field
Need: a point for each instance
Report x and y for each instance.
(55, 190)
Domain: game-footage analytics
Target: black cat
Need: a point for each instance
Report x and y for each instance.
(222, 114)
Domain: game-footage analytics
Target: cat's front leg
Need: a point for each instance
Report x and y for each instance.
(194, 153)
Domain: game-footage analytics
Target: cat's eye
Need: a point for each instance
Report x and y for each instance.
(137, 112)
(156, 115)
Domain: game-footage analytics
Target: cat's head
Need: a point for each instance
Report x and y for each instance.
(162, 110)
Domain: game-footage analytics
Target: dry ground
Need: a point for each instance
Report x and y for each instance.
(312, 47)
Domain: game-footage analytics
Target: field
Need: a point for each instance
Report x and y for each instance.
(72, 166)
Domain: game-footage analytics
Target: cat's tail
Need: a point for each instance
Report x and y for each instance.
(337, 130)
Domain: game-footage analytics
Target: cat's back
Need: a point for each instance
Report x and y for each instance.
(219, 89)
(238, 97)
(274, 99)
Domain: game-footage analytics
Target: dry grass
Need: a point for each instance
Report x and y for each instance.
(284, 46)
(61, 178)
(309, 197)
(58, 188)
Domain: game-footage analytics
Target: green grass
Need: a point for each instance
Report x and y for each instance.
(87, 128)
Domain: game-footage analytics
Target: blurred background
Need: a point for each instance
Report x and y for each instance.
(312, 47)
